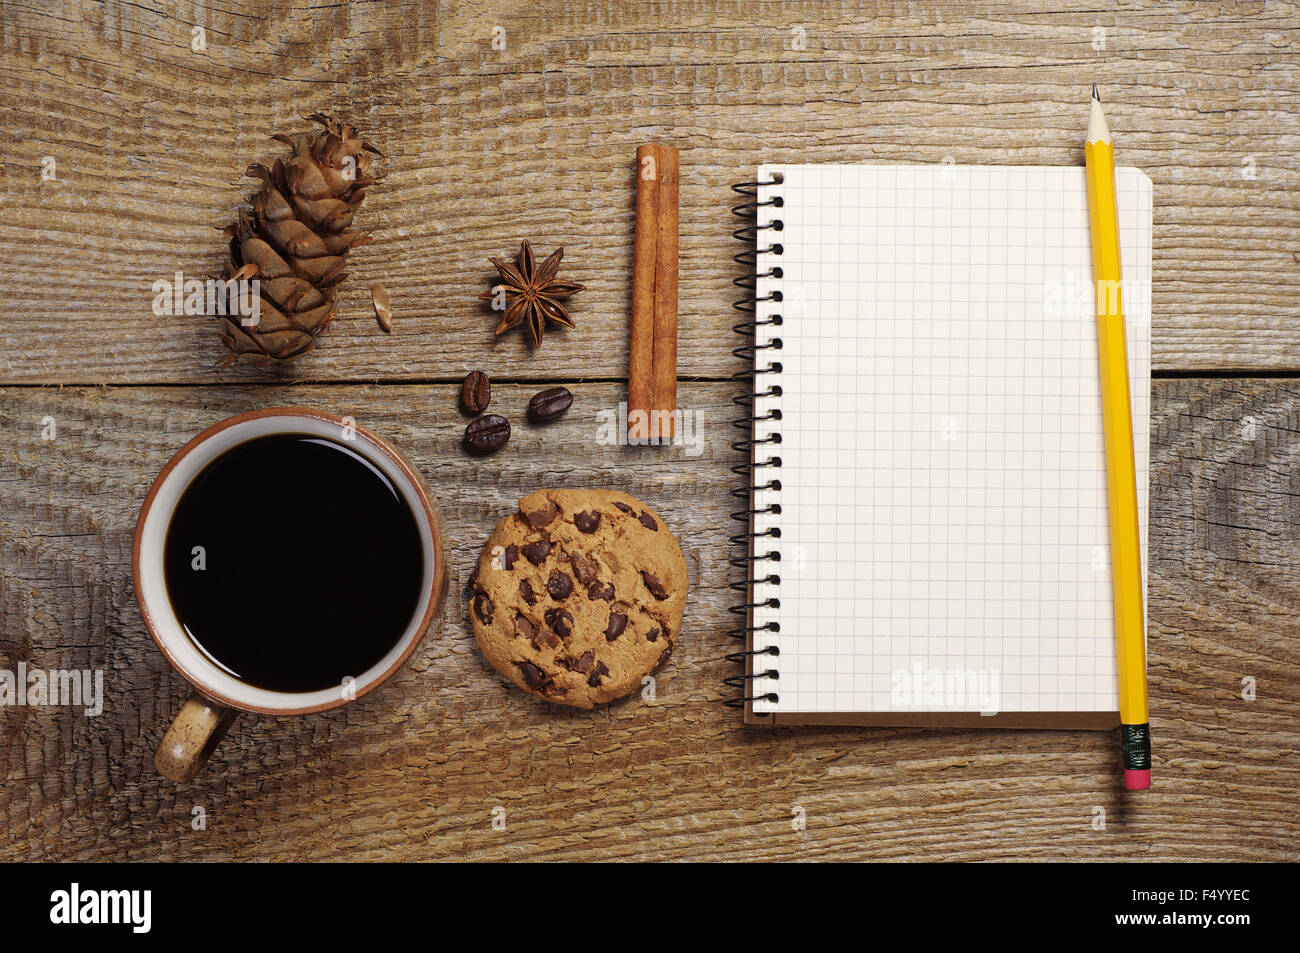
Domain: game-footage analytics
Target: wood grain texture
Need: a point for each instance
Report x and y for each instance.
(488, 146)
(415, 770)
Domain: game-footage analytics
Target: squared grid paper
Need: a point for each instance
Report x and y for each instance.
(943, 480)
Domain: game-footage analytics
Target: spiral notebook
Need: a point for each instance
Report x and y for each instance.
(927, 534)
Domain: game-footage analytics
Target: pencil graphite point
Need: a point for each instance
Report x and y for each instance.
(1098, 131)
(1095, 95)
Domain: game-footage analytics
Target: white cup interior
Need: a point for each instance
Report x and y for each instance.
(192, 662)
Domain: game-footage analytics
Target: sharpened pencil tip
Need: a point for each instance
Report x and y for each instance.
(1095, 95)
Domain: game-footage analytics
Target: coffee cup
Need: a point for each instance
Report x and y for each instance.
(260, 661)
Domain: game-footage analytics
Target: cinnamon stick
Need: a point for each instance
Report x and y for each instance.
(644, 264)
(663, 380)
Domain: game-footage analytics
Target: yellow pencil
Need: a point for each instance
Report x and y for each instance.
(1121, 475)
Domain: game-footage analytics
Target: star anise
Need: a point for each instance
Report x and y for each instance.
(533, 294)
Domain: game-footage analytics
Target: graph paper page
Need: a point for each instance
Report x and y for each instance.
(944, 542)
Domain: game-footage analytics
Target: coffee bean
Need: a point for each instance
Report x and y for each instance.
(476, 392)
(526, 591)
(487, 433)
(586, 522)
(617, 623)
(648, 522)
(601, 590)
(537, 551)
(654, 585)
(549, 404)
(561, 620)
(560, 585)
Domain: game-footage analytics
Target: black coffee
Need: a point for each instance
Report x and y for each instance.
(293, 563)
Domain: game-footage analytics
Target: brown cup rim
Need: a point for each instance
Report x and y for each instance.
(421, 492)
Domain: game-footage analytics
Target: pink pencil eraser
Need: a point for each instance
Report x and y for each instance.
(1137, 780)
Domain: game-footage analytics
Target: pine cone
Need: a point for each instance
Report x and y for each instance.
(295, 240)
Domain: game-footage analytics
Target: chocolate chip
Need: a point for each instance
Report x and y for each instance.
(624, 507)
(617, 623)
(533, 675)
(601, 590)
(545, 638)
(654, 585)
(483, 607)
(582, 663)
(663, 660)
(561, 620)
(543, 517)
(524, 627)
(648, 522)
(510, 555)
(526, 590)
(560, 585)
(537, 552)
(653, 635)
(583, 567)
(600, 671)
(587, 522)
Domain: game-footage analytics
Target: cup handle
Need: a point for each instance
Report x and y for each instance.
(193, 736)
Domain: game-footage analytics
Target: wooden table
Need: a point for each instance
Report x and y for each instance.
(486, 146)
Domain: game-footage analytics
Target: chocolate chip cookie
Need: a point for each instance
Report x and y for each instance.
(579, 595)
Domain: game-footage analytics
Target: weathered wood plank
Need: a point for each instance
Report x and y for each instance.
(536, 140)
(413, 771)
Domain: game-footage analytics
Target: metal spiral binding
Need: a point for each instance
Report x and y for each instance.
(747, 540)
